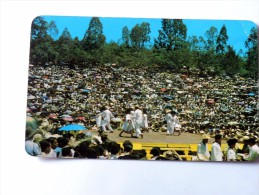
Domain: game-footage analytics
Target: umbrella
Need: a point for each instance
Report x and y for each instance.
(169, 97)
(31, 97)
(81, 118)
(72, 127)
(68, 118)
(251, 94)
(86, 90)
(53, 116)
(233, 123)
(163, 89)
(205, 122)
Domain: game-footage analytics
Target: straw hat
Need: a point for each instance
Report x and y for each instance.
(170, 154)
(205, 136)
(245, 138)
(168, 111)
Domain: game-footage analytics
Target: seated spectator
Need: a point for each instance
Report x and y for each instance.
(67, 152)
(155, 151)
(32, 147)
(115, 151)
(45, 148)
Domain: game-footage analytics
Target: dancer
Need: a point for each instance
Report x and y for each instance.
(170, 122)
(138, 116)
(145, 121)
(106, 119)
(127, 126)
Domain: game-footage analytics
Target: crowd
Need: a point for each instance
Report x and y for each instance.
(85, 145)
(134, 100)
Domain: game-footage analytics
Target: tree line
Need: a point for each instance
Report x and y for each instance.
(172, 49)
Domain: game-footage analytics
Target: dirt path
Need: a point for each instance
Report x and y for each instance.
(158, 137)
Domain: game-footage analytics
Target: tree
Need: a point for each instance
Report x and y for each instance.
(197, 43)
(41, 46)
(230, 63)
(125, 36)
(94, 38)
(139, 35)
(52, 29)
(39, 28)
(64, 46)
(221, 43)
(172, 36)
(211, 36)
(252, 53)
(196, 51)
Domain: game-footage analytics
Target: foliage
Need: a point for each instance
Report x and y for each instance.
(252, 54)
(222, 39)
(94, 38)
(172, 36)
(172, 49)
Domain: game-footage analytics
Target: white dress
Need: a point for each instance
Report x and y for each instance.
(145, 122)
(99, 120)
(128, 126)
(203, 152)
(170, 123)
(138, 116)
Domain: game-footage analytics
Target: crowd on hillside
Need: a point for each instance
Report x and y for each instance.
(189, 98)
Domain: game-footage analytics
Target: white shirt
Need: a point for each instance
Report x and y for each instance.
(231, 155)
(138, 116)
(253, 153)
(169, 118)
(107, 115)
(203, 152)
(216, 153)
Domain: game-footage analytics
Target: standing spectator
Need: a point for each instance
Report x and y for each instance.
(245, 148)
(231, 154)
(203, 153)
(216, 153)
(253, 151)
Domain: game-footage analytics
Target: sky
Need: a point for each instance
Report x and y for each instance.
(237, 30)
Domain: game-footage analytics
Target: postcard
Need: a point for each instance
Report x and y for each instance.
(143, 89)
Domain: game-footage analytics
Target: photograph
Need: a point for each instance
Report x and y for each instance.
(114, 88)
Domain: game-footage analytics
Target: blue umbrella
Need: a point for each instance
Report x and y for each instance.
(72, 127)
(251, 94)
(86, 90)
(169, 97)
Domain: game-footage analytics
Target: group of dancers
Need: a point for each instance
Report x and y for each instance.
(135, 122)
